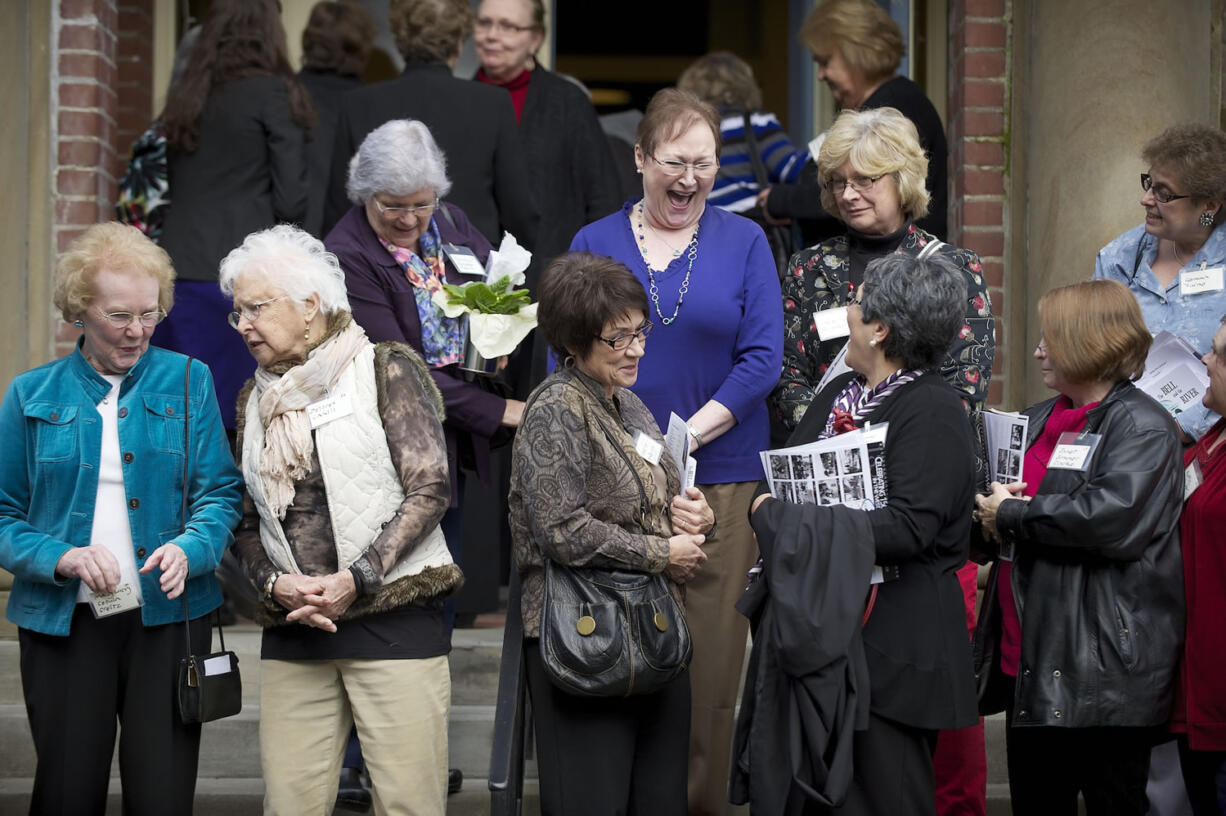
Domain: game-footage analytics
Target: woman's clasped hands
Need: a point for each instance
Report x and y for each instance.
(315, 601)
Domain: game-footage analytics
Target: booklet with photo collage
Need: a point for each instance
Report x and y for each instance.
(847, 469)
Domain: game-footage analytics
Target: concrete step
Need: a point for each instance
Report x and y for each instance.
(230, 748)
(244, 797)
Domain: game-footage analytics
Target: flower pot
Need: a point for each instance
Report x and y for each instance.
(473, 362)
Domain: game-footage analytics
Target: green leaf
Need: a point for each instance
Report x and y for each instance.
(482, 298)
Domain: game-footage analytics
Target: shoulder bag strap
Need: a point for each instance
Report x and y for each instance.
(187, 455)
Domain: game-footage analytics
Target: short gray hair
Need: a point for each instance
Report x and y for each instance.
(923, 302)
(399, 158)
(291, 260)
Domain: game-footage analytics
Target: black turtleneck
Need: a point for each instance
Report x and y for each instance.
(862, 248)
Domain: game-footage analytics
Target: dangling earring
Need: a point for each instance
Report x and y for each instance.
(307, 334)
(78, 324)
(1206, 219)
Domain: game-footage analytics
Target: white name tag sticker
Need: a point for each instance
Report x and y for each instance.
(831, 323)
(648, 448)
(217, 665)
(327, 410)
(1069, 457)
(1192, 479)
(1199, 281)
(112, 603)
(465, 261)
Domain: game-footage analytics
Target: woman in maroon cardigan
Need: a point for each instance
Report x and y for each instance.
(1200, 701)
(397, 245)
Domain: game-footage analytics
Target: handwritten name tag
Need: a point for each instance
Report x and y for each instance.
(1199, 281)
(1069, 457)
(648, 448)
(831, 323)
(327, 410)
(1192, 479)
(465, 261)
(105, 604)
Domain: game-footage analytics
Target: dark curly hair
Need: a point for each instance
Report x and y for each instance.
(338, 37)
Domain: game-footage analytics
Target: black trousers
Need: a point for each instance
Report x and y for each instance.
(892, 776)
(1049, 766)
(1204, 775)
(618, 756)
(77, 688)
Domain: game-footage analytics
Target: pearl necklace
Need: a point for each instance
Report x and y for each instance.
(653, 289)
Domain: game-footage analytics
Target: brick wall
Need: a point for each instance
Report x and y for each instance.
(978, 130)
(100, 97)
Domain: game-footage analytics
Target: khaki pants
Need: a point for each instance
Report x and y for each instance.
(719, 634)
(400, 708)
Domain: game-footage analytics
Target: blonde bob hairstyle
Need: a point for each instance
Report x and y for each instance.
(861, 31)
(114, 246)
(1094, 332)
(877, 142)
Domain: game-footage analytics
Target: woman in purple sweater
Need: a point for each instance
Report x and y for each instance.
(716, 348)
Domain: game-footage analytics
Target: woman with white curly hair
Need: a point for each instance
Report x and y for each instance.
(341, 444)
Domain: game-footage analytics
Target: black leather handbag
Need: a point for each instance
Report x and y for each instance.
(612, 633)
(209, 686)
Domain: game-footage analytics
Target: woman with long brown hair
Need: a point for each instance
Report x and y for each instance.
(236, 127)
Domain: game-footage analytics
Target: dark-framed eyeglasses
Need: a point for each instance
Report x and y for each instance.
(858, 183)
(251, 311)
(675, 168)
(855, 300)
(121, 320)
(484, 24)
(421, 210)
(622, 341)
(1163, 195)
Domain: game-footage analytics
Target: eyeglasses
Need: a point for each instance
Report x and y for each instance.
(622, 341)
(1041, 347)
(121, 320)
(424, 210)
(251, 311)
(484, 24)
(674, 168)
(1163, 195)
(857, 183)
(856, 300)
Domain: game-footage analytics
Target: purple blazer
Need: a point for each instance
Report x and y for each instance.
(384, 305)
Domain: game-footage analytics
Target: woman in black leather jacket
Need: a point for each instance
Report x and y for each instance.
(1079, 633)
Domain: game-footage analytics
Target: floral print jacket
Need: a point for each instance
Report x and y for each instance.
(817, 278)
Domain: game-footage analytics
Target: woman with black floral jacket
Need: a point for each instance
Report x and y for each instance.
(872, 170)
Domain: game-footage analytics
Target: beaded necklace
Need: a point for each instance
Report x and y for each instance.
(653, 289)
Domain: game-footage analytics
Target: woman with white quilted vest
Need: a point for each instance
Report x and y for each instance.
(341, 444)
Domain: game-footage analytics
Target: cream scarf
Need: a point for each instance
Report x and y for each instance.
(283, 399)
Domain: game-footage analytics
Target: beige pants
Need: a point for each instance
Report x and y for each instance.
(719, 634)
(400, 708)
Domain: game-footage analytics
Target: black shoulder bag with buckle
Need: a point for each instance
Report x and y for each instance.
(209, 686)
(612, 633)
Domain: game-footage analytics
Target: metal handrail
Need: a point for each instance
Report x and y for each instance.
(506, 779)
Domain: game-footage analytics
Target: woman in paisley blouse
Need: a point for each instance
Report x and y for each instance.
(590, 486)
(872, 171)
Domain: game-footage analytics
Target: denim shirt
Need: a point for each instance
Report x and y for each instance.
(1195, 318)
(49, 480)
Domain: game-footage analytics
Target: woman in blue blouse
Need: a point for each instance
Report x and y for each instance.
(716, 352)
(91, 485)
(1174, 261)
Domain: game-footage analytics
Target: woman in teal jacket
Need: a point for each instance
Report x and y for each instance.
(91, 486)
